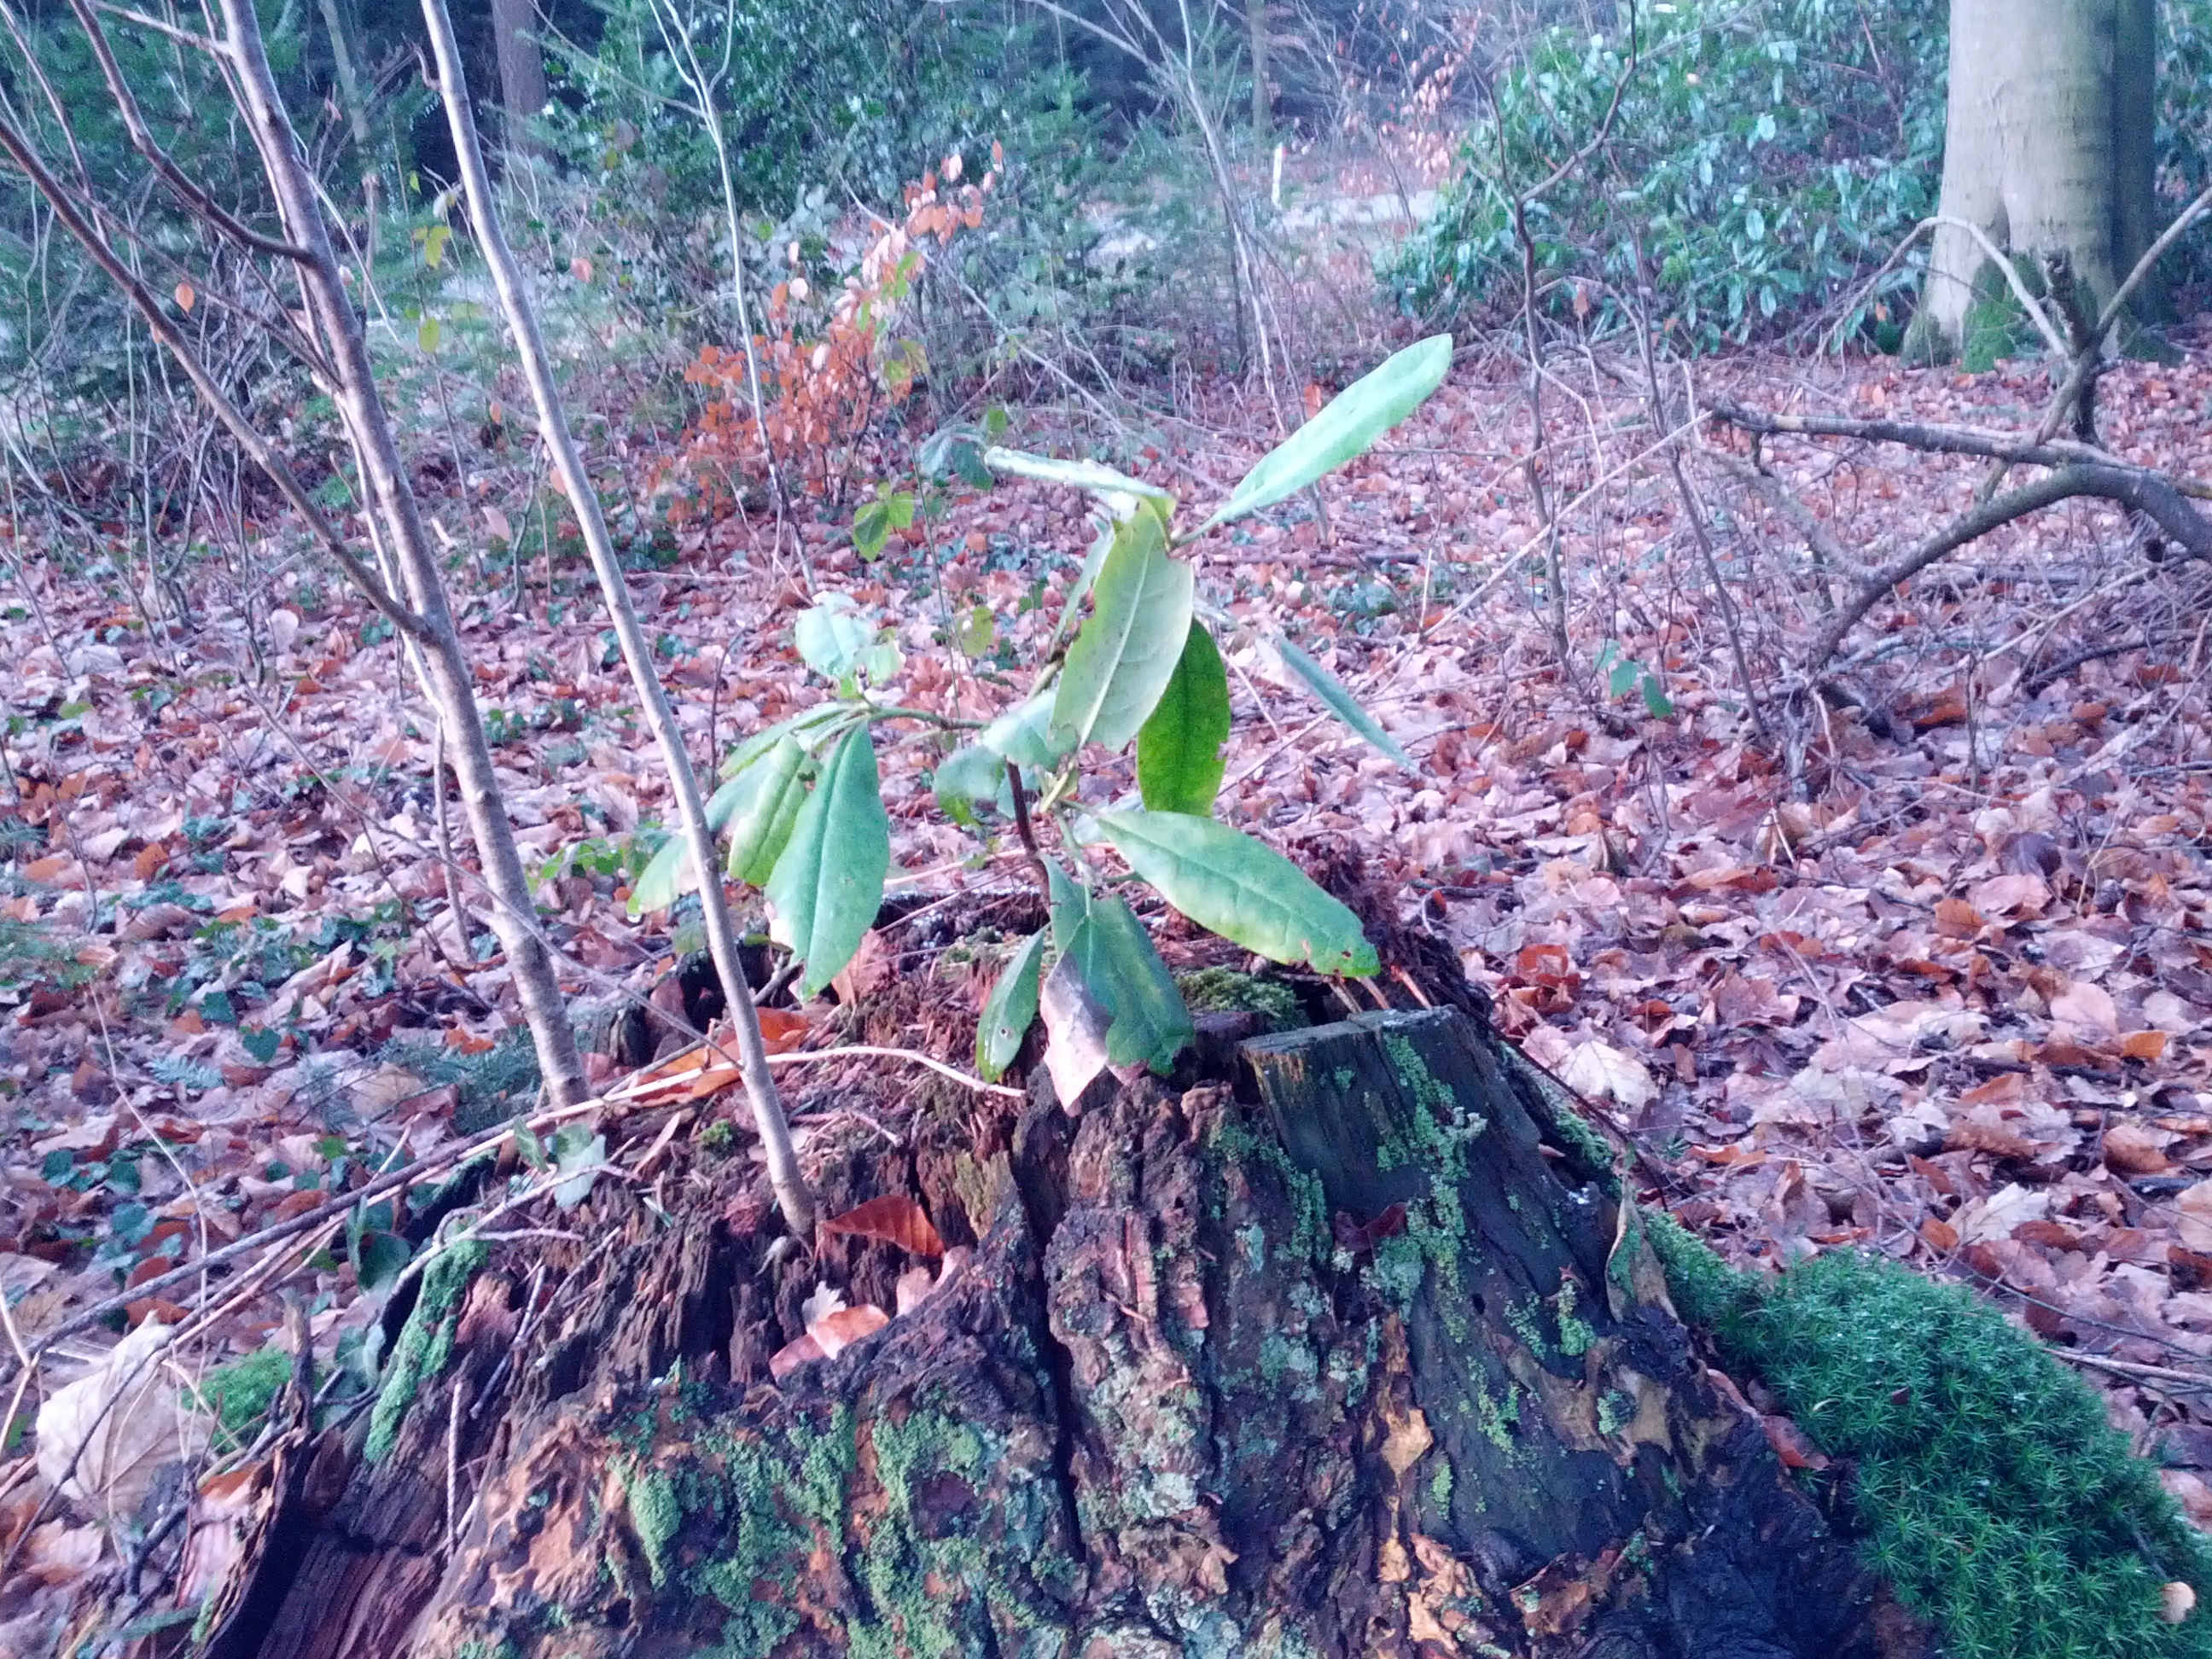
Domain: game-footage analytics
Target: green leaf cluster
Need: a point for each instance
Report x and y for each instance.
(801, 807)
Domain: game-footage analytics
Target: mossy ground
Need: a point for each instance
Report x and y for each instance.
(1995, 1496)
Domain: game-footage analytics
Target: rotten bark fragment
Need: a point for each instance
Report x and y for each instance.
(1203, 1386)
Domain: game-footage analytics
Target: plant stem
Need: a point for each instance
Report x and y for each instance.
(785, 1175)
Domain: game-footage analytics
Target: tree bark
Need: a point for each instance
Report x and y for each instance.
(1350, 1351)
(2047, 149)
(522, 89)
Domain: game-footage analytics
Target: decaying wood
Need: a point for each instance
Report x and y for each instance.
(1353, 1352)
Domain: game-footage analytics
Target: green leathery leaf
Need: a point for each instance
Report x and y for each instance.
(828, 885)
(1152, 1023)
(1117, 489)
(1009, 1009)
(1331, 690)
(1179, 764)
(1245, 891)
(1126, 652)
(761, 827)
(669, 873)
(1354, 419)
(969, 774)
(1024, 734)
(1071, 906)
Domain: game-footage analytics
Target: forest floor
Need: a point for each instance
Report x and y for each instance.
(1933, 982)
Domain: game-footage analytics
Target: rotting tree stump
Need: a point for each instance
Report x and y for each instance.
(1354, 1352)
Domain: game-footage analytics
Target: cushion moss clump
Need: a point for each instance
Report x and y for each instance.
(1224, 990)
(1995, 1496)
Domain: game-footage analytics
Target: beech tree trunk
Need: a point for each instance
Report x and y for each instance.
(1348, 1349)
(2047, 151)
(522, 89)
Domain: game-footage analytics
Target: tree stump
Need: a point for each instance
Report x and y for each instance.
(1354, 1352)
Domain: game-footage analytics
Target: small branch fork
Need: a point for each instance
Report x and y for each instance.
(2078, 467)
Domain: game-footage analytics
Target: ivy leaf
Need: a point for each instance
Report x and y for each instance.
(829, 884)
(1353, 420)
(1243, 891)
(1009, 1009)
(378, 1258)
(1333, 692)
(1179, 764)
(1127, 651)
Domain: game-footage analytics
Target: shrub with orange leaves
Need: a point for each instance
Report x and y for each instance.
(828, 364)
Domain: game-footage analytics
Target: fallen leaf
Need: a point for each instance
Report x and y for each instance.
(1792, 1444)
(1602, 1072)
(102, 1438)
(2132, 1149)
(840, 1330)
(895, 1220)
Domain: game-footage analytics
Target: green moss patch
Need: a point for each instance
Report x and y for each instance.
(1995, 1496)
(1223, 990)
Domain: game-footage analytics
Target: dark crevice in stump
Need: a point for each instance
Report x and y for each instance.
(1353, 1352)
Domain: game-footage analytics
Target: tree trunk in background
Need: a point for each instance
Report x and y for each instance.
(1263, 104)
(1350, 1351)
(522, 89)
(2047, 149)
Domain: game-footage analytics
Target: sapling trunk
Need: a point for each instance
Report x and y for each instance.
(392, 500)
(784, 1173)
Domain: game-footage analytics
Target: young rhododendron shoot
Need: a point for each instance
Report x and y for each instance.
(801, 809)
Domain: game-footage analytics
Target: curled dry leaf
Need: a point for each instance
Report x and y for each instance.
(895, 1220)
(102, 1438)
(2134, 1149)
(914, 1287)
(837, 1332)
(1792, 1444)
(2176, 1602)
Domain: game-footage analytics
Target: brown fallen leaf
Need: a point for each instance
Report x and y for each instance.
(895, 1220)
(2176, 1602)
(2133, 1149)
(1792, 1444)
(839, 1331)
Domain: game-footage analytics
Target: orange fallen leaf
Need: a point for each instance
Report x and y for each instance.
(2143, 1045)
(895, 1220)
(782, 1029)
(1792, 1444)
(834, 1333)
(1939, 1236)
(791, 1355)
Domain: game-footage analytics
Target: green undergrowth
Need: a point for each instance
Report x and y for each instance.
(489, 1087)
(1994, 1494)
